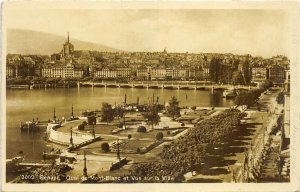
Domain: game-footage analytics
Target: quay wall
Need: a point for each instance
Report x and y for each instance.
(64, 138)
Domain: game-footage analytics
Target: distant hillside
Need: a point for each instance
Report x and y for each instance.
(34, 42)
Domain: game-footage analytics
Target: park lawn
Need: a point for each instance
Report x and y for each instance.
(101, 129)
(134, 144)
(137, 135)
(67, 127)
(95, 147)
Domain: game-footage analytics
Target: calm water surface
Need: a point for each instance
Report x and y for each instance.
(22, 105)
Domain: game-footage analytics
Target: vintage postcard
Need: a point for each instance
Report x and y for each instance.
(154, 96)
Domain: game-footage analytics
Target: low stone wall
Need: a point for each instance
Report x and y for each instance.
(64, 138)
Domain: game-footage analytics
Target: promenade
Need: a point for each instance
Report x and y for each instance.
(227, 165)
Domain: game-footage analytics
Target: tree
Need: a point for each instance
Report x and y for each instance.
(214, 69)
(194, 108)
(246, 71)
(237, 78)
(248, 97)
(173, 109)
(242, 99)
(107, 112)
(159, 136)
(105, 147)
(129, 136)
(280, 98)
(151, 116)
(119, 112)
(81, 126)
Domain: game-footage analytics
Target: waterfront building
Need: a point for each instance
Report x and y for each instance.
(105, 73)
(259, 74)
(199, 74)
(176, 73)
(169, 73)
(69, 70)
(191, 73)
(123, 73)
(10, 71)
(142, 73)
(158, 73)
(206, 74)
(277, 74)
(46, 71)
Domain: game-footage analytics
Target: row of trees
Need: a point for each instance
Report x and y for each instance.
(250, 97)
(189, 151)
(238, 72)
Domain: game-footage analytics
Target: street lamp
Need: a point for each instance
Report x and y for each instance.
(84, 168)
(71, 138)
(118, 150)
(94, 130)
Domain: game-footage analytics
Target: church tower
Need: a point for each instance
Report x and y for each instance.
(68, 48)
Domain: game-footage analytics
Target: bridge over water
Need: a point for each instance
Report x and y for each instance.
(164, 85)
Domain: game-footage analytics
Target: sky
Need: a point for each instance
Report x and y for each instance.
(256, 31)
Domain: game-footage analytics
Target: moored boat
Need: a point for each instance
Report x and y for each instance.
(229, 93)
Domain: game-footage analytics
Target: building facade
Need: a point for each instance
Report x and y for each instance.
(142, 73)
(259, 74)
(277, 74)
(105, 73)
(158, 73)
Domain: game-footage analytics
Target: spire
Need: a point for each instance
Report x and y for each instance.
(165, 50)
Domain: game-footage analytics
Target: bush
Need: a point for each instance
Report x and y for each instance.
(105, 147)
(129, 136)
(85, 123)
(159, 136)
(168, 132)
(280, 98)
(81, 126)
(138, 150)
(194, 108)
(182, 124)
(141, 129)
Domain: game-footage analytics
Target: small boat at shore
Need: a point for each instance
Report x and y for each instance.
(229, 93)
(30, 126)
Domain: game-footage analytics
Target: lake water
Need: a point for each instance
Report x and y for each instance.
(23, 105)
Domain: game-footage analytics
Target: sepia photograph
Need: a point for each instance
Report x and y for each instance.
(157, 93)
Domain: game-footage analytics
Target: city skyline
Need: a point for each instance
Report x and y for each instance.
(255, 32)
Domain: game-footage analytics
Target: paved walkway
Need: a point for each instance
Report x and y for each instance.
(256, 124)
